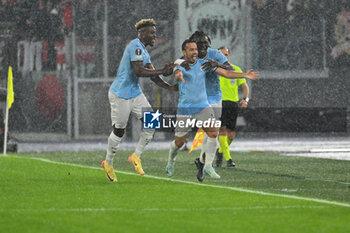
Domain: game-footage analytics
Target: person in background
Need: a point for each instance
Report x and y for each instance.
(230, 109)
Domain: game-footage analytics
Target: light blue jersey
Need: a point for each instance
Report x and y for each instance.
(212, 80)
(126, 85)
(192, 95)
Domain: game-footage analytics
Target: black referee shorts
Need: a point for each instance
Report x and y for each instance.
(229, 114)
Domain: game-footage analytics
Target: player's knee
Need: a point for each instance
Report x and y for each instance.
(222, 131)
(212, 133)
(118, 132)
(231, 135)
(179, 142)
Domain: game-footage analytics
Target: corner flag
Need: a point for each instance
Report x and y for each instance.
(198, 140)
(10, 95)
(10, 99)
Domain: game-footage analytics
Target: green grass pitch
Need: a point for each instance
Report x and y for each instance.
(261, 194)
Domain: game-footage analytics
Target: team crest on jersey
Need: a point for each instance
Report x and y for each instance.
(138, 52)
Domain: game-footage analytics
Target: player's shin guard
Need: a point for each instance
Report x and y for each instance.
(210, 148)
(113, 144)
(145, 138)
(201, 158)
(173, 152)
(224, 147)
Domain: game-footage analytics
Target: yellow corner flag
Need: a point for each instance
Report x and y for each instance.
(198, 140)
(10, 95)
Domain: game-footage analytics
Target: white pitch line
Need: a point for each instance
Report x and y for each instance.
(201, 184)
(331, 150)
(332, 181)
(163, 209)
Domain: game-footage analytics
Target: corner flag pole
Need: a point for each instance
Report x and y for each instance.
(6, 126)
(9, 100)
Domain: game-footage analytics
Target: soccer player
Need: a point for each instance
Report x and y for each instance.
(230, 108)
(193, 104)
(216, 59)
(125, 95)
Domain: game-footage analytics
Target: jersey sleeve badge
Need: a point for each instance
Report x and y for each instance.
(138, 53)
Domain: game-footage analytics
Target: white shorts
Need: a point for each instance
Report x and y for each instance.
(122, 108)
(203, 115)
(217, 108)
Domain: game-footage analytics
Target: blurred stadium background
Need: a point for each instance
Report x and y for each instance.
(65, 54)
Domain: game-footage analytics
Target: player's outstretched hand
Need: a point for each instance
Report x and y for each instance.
(252, 75)
(185, 65)
(209, 65)
(168, 68)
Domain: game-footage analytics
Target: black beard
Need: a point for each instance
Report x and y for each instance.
(202, 54)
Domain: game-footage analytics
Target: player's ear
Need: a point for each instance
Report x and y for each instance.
(183, 52)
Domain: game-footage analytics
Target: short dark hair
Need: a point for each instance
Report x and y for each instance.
(144, 23)
(183, 47)
(222, 47)
(198, 34)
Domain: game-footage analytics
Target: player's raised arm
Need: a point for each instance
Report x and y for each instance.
(142, 71)
(210, 64)
(233, 75)
(159, 80)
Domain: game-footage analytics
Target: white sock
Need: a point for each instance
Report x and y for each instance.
(210, 148)
(201, 158)
(113, 144)
(173, 152)
(145, 137)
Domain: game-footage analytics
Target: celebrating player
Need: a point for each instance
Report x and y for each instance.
(216, 60)
(125, 95)
(193, 104)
